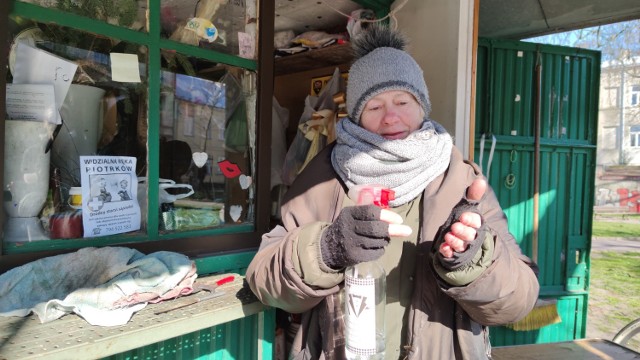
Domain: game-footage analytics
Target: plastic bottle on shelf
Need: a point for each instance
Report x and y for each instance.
(365, 291)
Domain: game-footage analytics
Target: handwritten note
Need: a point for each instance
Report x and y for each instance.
(125, 68)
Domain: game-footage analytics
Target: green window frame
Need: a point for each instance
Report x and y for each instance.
(194, 243)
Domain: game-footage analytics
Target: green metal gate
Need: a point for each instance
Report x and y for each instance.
(536, 118)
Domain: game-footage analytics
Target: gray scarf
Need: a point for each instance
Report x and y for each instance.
(405, 166)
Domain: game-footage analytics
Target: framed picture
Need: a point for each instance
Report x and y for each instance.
(318, 83)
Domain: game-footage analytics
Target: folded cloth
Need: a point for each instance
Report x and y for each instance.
(105, 286)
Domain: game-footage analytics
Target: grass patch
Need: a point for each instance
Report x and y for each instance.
(619, 274)
(614, 279)
(614, 216)
(615, 229)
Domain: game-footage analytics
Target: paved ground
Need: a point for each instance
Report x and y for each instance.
(615, 244)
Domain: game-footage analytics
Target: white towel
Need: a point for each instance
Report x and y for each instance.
(96, 283)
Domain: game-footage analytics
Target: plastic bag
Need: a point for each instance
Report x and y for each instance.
(355, 25)
(164, 196)
(164, 184)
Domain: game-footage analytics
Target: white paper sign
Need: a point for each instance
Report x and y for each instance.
(32, 102)
(35, 66)
(109, 195)
(246, 45)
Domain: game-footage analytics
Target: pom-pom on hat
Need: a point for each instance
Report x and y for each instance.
(380, 65)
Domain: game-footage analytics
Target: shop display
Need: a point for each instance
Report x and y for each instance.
(82, 116)
(91, 93)
(167, 192)
(26, 179)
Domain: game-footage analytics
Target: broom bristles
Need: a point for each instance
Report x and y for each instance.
(544, 313)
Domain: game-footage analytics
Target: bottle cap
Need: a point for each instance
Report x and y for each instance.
(372, 194)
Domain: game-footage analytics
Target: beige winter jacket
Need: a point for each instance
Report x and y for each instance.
(444, 322)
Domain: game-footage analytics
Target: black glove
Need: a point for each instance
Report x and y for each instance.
(460, 259)
(358, 235)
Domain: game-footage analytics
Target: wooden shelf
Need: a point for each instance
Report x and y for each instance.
(313, 59)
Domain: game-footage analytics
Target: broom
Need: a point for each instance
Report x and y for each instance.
(545, 311)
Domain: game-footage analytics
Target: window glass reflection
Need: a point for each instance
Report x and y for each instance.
(68, 99)
(206, 151)
(126, 13)
(225, 26)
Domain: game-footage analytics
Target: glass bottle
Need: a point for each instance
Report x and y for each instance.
(365, 300)
(365, 291)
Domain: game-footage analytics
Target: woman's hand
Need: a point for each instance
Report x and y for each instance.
(464, 231)
(360, 234)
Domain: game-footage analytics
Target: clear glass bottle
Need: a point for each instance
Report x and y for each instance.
(365, 290)
(365, 300)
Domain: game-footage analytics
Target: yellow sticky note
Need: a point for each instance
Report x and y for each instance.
(124, 68)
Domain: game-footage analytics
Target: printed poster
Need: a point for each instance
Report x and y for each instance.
(36, 66)
(32, 102)
(109, 195)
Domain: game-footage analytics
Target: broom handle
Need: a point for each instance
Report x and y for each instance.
(536, 160)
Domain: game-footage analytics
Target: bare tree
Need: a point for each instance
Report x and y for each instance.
(618, 42)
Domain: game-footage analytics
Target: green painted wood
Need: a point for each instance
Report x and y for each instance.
(236, 263)
(568, 108)
(153, 112)
(120, 240)
(268, 348)
(152, 38)
(208, 54)
(51, 15)
(572, 311)
(224, 342)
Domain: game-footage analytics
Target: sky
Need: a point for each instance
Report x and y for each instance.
(615, 41)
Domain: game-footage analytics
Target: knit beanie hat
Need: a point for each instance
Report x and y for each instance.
(381, 65)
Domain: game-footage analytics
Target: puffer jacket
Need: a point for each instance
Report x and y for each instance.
(444, 322)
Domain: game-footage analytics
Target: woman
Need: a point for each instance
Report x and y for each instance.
(452, 266)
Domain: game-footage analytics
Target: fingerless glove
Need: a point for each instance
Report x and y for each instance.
(460, 259)
(357, 235)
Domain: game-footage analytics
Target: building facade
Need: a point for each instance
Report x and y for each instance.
(618, 153)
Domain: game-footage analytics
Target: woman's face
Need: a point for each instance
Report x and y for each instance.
(392, 114)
